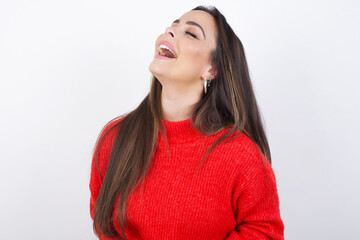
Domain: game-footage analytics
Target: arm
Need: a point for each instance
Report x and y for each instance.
(98, 168)
(255, 200)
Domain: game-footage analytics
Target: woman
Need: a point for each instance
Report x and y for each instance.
(192, 161)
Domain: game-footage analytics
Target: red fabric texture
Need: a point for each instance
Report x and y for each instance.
(233, 195)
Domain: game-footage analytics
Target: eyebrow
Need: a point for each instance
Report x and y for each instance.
(192, 23)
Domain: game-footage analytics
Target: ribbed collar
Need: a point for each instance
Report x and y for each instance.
(181, 131)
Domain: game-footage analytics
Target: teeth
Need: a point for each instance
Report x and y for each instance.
(167, 48)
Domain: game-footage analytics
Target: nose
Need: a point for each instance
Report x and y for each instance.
(170, 31)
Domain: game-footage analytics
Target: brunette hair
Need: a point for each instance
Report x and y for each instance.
(229, 103)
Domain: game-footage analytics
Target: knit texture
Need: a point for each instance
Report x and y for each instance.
(232, 196)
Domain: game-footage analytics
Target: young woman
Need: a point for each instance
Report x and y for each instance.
(192, 161)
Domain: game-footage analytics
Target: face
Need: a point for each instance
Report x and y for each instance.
(183, 53)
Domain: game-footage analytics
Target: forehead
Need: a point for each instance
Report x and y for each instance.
(203, 18)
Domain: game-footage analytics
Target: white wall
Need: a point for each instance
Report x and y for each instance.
(67, 67)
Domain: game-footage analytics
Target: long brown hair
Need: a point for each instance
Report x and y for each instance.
(229, 103)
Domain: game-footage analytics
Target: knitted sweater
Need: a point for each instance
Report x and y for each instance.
(233, 195)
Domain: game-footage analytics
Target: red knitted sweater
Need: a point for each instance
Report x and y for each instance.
(233, 195)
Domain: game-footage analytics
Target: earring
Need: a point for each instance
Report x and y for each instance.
(206, 84)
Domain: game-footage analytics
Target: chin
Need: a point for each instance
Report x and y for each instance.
(154, 69)
(157, 70)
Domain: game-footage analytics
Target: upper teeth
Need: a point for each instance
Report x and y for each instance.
(166, 47)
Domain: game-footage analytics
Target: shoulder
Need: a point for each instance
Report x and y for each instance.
(243, 155)
(105, 142)
(111, 125)
(241, 147)
(251, 171)
(109, 131)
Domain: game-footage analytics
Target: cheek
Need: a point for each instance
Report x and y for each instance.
(195, 51)
(195, 57)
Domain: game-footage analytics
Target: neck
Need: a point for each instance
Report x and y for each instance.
(178, 105)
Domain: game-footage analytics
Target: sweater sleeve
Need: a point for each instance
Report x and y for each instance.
(102, 154)
(255, 199)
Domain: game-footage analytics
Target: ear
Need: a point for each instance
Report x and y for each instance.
(209, 73)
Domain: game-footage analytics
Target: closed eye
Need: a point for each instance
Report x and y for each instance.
(191, 34)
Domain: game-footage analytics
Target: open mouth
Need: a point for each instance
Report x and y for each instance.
(166, 51)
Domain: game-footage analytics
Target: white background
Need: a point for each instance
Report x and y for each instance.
(68, 67)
